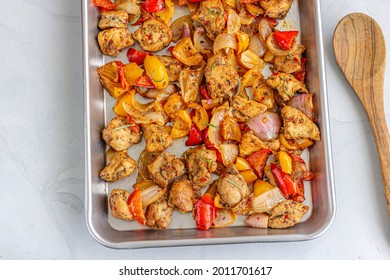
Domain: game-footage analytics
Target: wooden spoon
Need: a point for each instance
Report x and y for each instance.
(360, 52)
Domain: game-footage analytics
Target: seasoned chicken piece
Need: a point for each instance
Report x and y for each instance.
(200, 163)
(232, 187)
(297, 125)
(165, 169)
(221, 77)
(300, 170)
(250, 143)
(286, 85)
(119, 19)
(246, 109)
(182, 196)
(172, 65)
(276, 8)
(157, 138)
(121, 165)
(153, 35)
(113, 40)
(290, 63)
(264, 94)
(286, 214)
(211, 15)
(159, 214)
(119, 134)
(118, 204)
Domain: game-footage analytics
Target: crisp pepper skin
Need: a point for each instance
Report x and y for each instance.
(152, 6)
(204, 212)
(285, 182)
(285, 39)
(135, 206)
(258, 161)
(136, 56)
(195, 138)
(107, 5)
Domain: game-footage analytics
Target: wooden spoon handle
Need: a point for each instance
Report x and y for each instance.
(382, 140)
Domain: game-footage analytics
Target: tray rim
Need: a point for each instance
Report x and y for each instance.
(325, 130)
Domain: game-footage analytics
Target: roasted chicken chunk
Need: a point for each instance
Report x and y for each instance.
(182, 196)
(264, 94)
(157, 138)
(221, 77)
(286, 214)
(119, 134)
(153, 35)
(159, 214)
(200, 163)
(290, 63)
(246, 108)
(211, 15)
(113, 40)
(165, 169)
(172, 65)
(118, 19)
(250, 143)
(118, 204)
(297, 125)
(286, 85)
(276, 8)
(232, 187)
(121, 165)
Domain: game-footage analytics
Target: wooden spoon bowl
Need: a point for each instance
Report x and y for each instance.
(360, 52)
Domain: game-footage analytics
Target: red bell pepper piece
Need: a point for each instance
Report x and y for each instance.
(204, 92)
(170, 49)
(195, 137)
(135, 206)
(135, 128)
(285, 39)
(204, 212)
(152, 6)
(105, 5)
(144, 81)
(299, 196)
(258, 161)
(121, 74)
(285, 182)
(137, 56)
(210, 145)
(301, 75)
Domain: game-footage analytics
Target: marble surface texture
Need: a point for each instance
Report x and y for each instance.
(42, 148)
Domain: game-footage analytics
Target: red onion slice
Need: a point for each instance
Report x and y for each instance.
(266, 126)
(304, 103)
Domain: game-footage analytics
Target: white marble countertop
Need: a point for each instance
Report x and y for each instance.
(42, 148)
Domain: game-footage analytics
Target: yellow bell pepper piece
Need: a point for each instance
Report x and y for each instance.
(304, 143)
(217, 201)
(167, 14)
(285, 162)
(185, 52)
(178, 133)
(126, 98)
(242, 164)
(132, 72)
(242, 41)
(261, 187)
(156, 71)
(249, 176)
(287, 144)
(251, 76)
(201, 118)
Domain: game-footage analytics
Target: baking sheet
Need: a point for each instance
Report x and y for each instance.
(98, 109)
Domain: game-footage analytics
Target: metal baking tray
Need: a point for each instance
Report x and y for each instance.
(116, 233)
